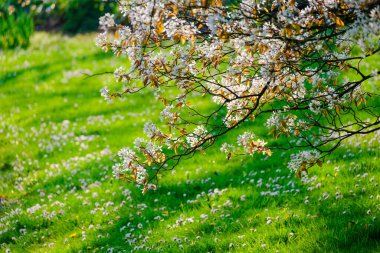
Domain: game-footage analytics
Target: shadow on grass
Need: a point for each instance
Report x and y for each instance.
(336, 232)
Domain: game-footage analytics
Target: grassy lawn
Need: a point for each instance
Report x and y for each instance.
(58, 140)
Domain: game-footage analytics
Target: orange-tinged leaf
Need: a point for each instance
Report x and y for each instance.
(160, 27)
(192, 39)
(204, 3)
(174, 9)
(183, 39)
(339, 22)
(217, 3)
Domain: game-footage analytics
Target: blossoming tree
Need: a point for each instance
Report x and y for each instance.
(296, 65)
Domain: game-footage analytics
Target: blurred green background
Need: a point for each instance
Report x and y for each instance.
(19, 18)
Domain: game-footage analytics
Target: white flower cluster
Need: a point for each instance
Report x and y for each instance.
(273, 120)
(107, 21)
(197, 136)
(105, 92)
(102, 41)
(167, 114)
(151, 130)
(303, 159)
(128, 166)
(120, 74)
(250, 145)
(175, 27)
(315, 106)
(227, 148)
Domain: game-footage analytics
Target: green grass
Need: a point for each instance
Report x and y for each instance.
(58, 138)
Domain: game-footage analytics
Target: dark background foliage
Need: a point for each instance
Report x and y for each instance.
(19, 18)
(16, 24)
(73, 16)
